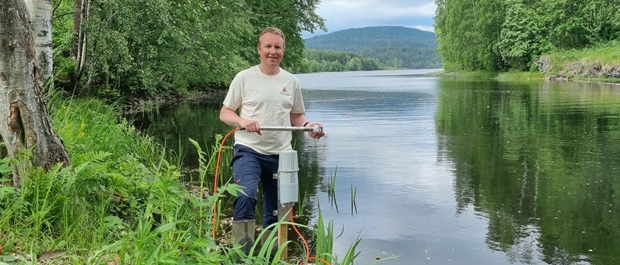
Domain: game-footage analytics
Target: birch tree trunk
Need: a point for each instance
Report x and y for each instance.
(78, 49)
(41, 18)
(24, 122)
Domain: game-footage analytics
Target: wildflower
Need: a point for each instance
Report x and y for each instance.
(80, 135)
(82, 126)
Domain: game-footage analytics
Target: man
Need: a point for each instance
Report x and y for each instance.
(264, 95)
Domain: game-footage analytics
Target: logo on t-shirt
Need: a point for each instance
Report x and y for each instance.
(284, 91)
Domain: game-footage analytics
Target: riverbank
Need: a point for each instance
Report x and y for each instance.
(525, 76)
(490, 75)
(145, 103)
(596, 64)
(120, 201)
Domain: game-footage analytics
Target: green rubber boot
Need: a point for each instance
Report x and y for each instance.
(243, 234)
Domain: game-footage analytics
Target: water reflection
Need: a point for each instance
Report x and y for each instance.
(451, 171)
(541, 161)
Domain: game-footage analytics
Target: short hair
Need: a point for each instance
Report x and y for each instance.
(273, 30)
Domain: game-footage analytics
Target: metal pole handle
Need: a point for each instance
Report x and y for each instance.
(314, 129)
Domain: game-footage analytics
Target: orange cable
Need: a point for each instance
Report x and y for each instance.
(308, 258)
(217, 167)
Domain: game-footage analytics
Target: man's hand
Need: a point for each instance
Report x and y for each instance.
(315, 135)
(251, 126)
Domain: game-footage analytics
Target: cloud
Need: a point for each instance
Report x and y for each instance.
(381, 8)
(344, 14)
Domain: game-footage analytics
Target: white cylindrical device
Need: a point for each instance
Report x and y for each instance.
(288, 185)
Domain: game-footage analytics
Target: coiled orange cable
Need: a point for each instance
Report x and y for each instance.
(217, 167)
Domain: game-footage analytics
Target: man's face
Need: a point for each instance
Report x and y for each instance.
(271, 49)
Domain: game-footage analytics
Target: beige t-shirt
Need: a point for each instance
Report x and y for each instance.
(268, 99)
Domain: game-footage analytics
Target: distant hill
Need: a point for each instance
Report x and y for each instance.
(395, 46)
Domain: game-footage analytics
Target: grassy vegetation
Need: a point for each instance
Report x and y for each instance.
(120, 202)
(608, 53)
(577, 64)
(490, 75)
(600, 63)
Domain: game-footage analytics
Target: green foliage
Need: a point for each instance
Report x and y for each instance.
(396, 47)
(292, 17)
(602, 60)
(62, 37)
(119, 198)
(120, 201)
(522, 37)
(146, 47)
(467, 38)
(324, 238)
(355, 39)
(501, 35)
(332, 61)
(137, 47)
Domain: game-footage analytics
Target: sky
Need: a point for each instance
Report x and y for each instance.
(346, 14)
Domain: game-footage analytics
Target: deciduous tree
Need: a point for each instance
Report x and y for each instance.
(41, 17)
(25, 124)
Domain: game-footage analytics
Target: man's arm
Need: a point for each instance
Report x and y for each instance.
(298, 119)
(230, 117)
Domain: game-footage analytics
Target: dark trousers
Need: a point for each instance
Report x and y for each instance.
(249, 167)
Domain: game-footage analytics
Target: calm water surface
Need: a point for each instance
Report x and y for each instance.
(453, 171)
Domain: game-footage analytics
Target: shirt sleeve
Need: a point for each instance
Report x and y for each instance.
(298, 101)
(234, 96)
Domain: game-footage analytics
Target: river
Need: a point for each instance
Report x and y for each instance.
(431, 170)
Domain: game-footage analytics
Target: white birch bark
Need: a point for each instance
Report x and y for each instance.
(41, 17)
(24, 122)
(79, 46)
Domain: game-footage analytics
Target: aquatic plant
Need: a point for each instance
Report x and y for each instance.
(353, 203)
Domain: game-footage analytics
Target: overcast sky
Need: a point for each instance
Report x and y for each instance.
(346, 14)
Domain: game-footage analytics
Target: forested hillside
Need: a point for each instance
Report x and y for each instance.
(332, 61)
(398, 47)
(500, 35)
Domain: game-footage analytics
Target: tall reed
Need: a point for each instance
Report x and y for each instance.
(353, 196)
(331, 189)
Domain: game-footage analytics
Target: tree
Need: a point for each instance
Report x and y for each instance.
(467, 31)
(41, 16)
(22, 107)
(78, 46)
(292, 17)
(355, 64)
(522, 36)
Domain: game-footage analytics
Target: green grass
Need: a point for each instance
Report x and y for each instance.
(564, 61)
(121, 200)
(606, 55)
